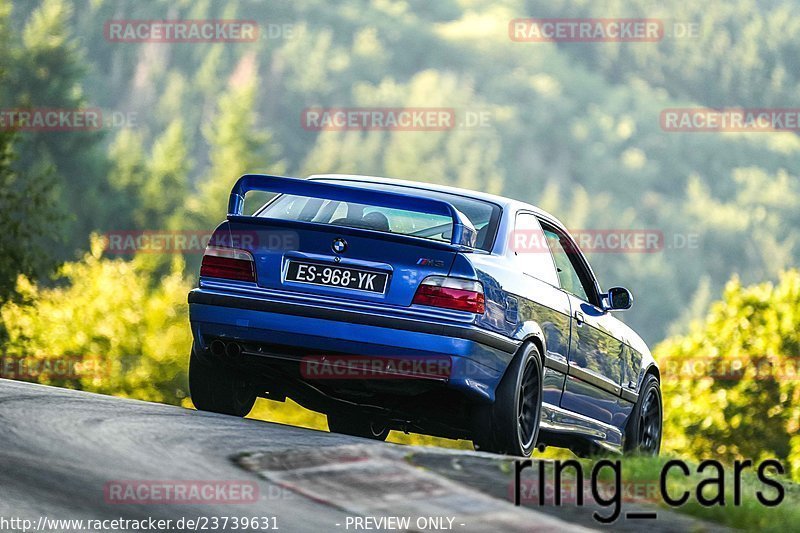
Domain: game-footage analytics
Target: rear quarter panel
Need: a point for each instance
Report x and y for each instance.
(522, 307)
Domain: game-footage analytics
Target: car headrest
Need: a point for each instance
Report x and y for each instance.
(376, 221)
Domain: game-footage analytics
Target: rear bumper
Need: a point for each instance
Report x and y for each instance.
(478, 357)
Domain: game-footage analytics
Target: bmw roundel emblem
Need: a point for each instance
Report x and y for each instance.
(339, 245)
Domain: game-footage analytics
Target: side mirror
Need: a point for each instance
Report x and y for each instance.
(619, 298)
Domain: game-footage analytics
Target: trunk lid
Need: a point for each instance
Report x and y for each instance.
(355, 257)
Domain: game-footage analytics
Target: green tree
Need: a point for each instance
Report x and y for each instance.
(732, 384)
(154, 186)
(126, 175)
(44, 70)
(237, 146)
(133, 342)
(462, 156)
(25, 216)
(26, 199)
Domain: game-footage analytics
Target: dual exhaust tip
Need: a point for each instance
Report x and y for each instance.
(231, 349)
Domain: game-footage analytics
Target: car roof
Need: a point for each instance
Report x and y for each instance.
(507, 203)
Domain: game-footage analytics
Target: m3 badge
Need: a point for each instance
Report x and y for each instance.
(424, 261)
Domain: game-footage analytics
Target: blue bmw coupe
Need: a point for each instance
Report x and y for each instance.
(389, 304)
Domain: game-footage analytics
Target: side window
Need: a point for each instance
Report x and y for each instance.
(571, 274)
(530, 247)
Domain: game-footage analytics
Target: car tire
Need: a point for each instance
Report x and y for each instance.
(358, 426)
(217, 388)
(644, 428)
(511, 424)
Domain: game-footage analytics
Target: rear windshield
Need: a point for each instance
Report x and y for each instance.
(484, 216)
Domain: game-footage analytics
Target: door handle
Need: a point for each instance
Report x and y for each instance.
(579, 318)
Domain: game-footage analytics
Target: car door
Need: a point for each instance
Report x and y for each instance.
(596, 358)
(542, 302)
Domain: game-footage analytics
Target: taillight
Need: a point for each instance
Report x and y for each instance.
(451, 293)
(228, 263)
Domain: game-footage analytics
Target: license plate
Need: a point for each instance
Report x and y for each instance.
(336, 276)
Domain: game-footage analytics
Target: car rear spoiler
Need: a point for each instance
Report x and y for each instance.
(464, 233)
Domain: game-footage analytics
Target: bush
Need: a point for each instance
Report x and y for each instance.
(731, 385)
(112, 326)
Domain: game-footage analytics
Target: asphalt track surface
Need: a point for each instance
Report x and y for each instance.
(63, 453)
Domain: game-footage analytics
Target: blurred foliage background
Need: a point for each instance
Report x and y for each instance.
(574, 128)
